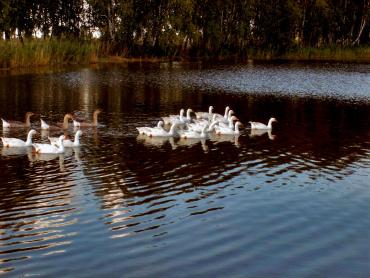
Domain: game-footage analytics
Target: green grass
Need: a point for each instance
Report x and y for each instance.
(350, 54)
(40, 52)
(50, 52)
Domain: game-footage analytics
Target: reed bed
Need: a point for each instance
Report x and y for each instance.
(40, 52)
(348, 54)
(50, 52)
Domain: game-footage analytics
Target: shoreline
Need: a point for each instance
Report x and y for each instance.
(350, 55)
(344, 55)
(38, 54)
(231, 60)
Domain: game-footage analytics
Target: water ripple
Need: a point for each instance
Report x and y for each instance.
(290, 203)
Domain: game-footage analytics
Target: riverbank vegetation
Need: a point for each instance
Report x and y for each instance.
(42, 52)
(48, 32)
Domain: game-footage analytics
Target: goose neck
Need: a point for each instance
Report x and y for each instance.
(203, 133)
(231, 123)
(28, 120)
(212, 126)
(188, 114)
(269, 124)
(29, 138)
(65, 121)
(172, 130)
(226, 111)
(95, 118)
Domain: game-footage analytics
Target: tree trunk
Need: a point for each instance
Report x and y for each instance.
(363, 24)
(111, 25)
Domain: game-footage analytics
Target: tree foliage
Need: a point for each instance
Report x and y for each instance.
(190, 27)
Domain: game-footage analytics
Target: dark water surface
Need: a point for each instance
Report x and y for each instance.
(126, 206)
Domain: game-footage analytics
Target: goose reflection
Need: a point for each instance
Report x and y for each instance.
(190, 142)
(49, 157)
(156, 141)
(77, 152)
(226, 138)
(260, 132)
(16, 151)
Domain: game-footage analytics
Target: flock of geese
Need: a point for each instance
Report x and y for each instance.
(57, 144)
(202, 126)
(183, 126)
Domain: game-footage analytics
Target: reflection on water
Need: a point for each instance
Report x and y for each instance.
(226, 138)
(189, 142)
(156, 141)
(260, 132)
(292, 202)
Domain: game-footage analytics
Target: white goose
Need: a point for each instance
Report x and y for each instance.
(219, 116)
(198, 124)
(221, 130)
(67, 142)
(191, 134)
(230, 122)
(15, 142)
(257, 125)
(145, 130)
(163, 133)
(44, 125)
(212, 126)
(49, 148)
(227, 118)
(181, 120)
(168, 120)
(205, 115)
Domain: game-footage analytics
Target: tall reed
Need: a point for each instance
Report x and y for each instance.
(349, 54)
(46, 52)
(42, 52)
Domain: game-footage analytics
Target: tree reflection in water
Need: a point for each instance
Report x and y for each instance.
(140, 187)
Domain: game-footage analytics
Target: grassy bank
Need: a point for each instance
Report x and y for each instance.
(351, 54)
(50, 52)
(333, 54)
(39, 52)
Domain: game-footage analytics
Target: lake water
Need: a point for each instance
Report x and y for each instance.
(292, 203)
